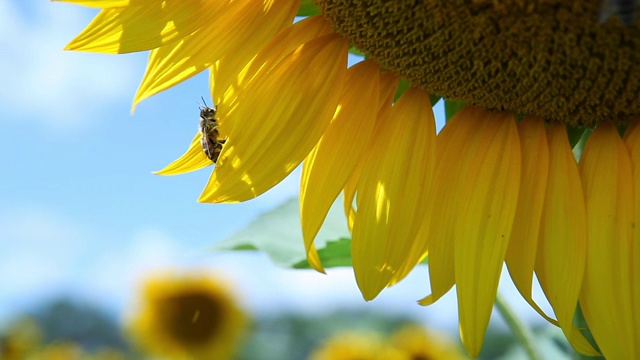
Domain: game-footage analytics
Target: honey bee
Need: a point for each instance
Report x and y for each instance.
(209, 131)
(626, 10)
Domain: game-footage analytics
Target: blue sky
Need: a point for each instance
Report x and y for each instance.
(80, 211)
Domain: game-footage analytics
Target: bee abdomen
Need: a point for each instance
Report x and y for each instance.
(212, 149)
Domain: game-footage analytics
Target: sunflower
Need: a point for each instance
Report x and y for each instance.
(187, 317)
(417, 343)
(350, 345)
(498, 184)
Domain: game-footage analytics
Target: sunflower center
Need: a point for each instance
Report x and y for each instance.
(191, 318)
(550, 58)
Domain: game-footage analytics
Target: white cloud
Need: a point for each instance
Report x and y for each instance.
(116, 273)
(41, 248)
(45, 255)
(40, 251)
(46, 86)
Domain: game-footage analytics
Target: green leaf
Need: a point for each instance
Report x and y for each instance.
(308, 8)
(581, 323)
(434, 99)
(575, 134)
(277, 233)
(402, 87)
(577, 149)
(451, 107)
(336, 253)
(622, 128)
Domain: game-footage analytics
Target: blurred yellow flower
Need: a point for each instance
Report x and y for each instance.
(19, 339)
(486, 190)
(410, 342)
(67, 350)
(61, 351)
(418, 343)
(353, 345)
(187, 317)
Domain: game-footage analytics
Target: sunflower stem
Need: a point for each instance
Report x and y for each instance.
(522, 332)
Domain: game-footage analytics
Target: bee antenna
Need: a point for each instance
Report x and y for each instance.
(205, 104)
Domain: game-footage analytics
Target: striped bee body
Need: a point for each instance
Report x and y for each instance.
(211, 145)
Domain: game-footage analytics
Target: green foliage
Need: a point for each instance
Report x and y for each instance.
(402, 87)
(581, 324)
(278, 234)
(335, 253)
(503, 345)
(451, 107)
(575, 134)
(622, 128)
(577, 148)
(81, 326)
(293, 336)
(80, 322)
(434, 99)
(308, 8)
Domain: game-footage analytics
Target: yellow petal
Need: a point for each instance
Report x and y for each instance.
(632, 141)
(349, 192)
(388, 86)
(486, 205)
(332, 162)
(419, 246)
(562, 240)
(280, 118)
(231, 74)
(242, 24)
(439, 233)
(523, 245)
(144, 27)
(103, 3)
(474, 202)
(391, 194)
(608, 294)
(193, 159)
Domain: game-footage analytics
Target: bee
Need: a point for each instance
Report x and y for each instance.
(211, 146)
(625, 9)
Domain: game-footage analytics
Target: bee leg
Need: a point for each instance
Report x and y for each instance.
(217, 148)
